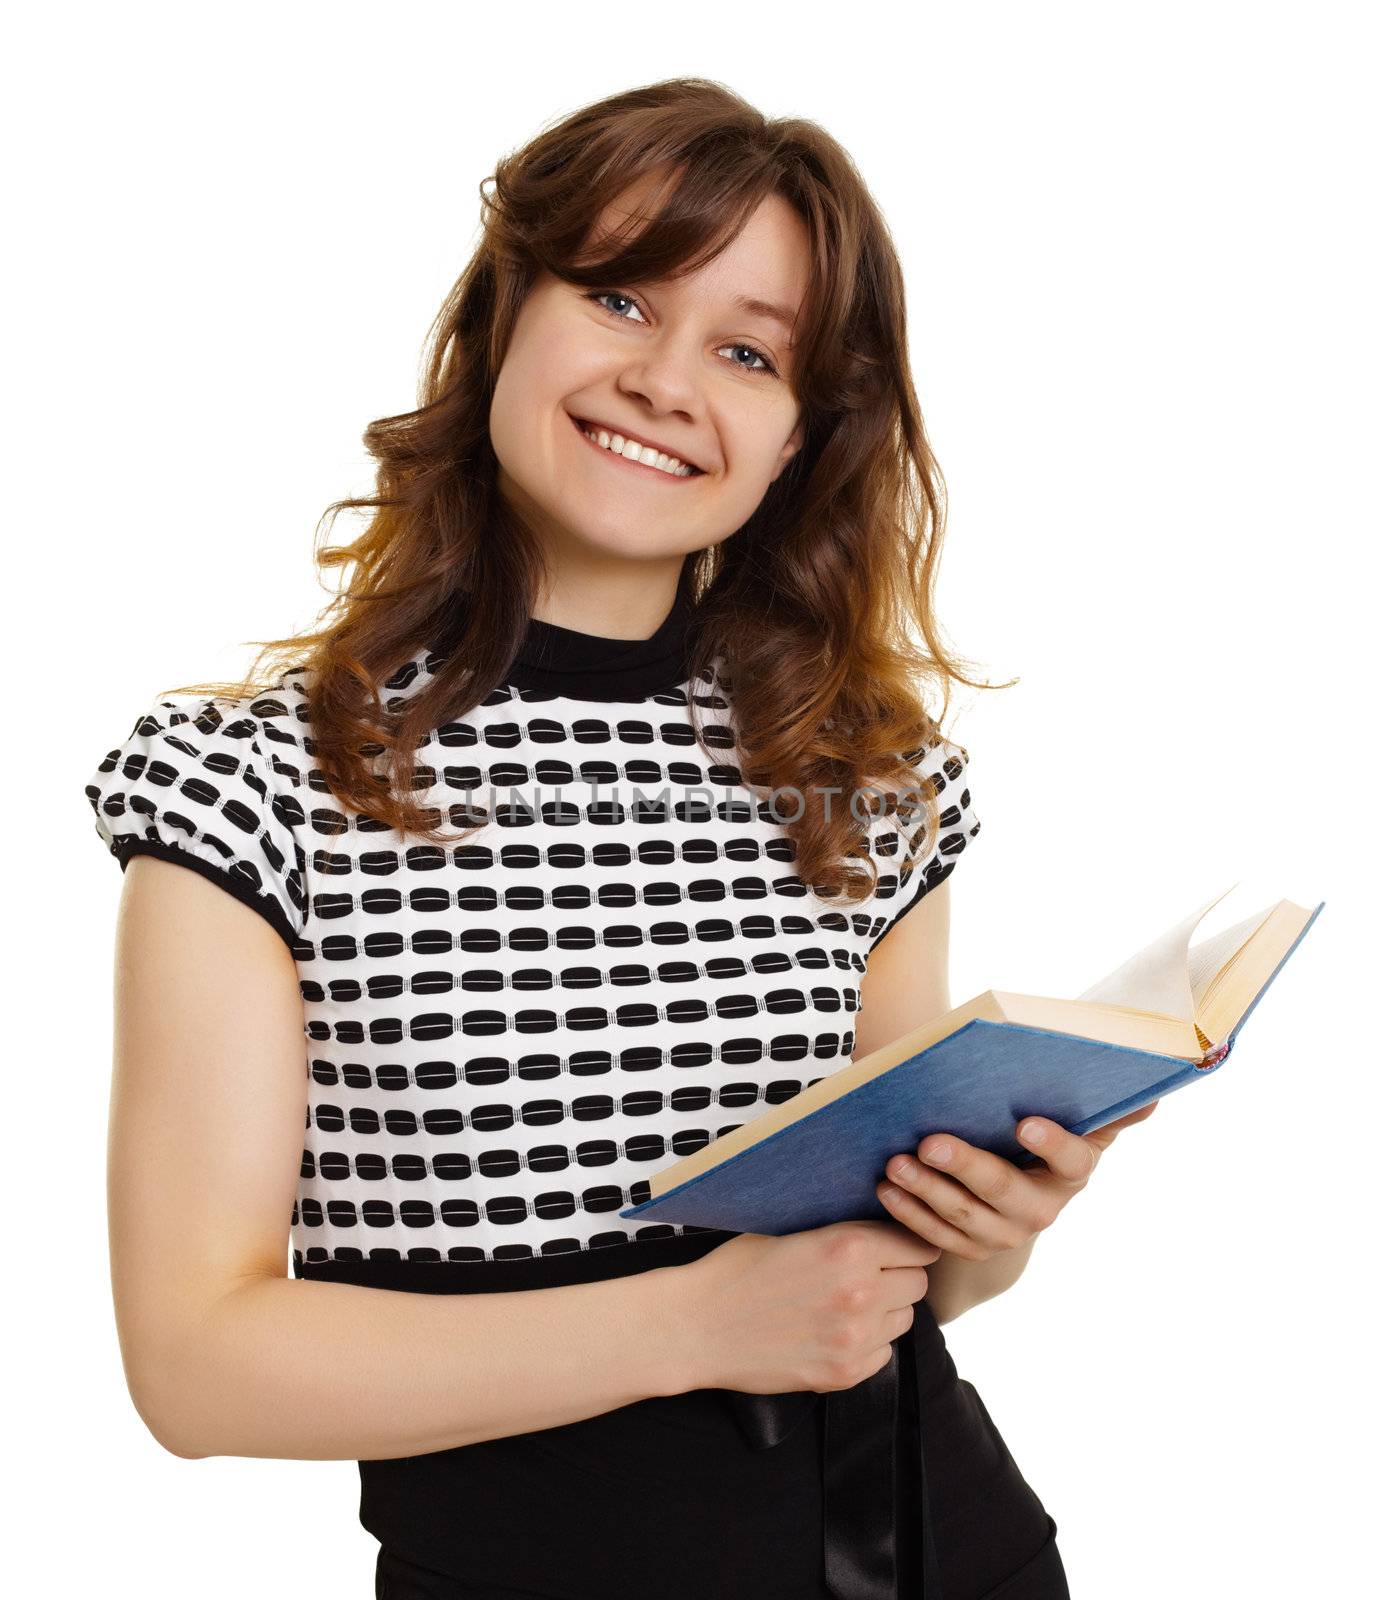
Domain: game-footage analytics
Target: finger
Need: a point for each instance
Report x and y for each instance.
(1140, 1114)
(1009, 1193)
(922, 1220)
(1131, 1117)
(1103, 1138)
(1068, 1155)
(907, 1249)
(960, 1209)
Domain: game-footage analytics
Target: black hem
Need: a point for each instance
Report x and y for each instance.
(126, 846)
(930, 880)
(592, 1265)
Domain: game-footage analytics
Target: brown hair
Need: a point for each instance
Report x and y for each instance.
(811, 601)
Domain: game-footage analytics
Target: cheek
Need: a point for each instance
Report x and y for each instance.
(546, 364)
(756, 436)
(764, 413)
(516, 413)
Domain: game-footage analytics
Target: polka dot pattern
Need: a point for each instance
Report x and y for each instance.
(506, 1037)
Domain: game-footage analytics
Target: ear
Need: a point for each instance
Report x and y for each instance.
(792, 445)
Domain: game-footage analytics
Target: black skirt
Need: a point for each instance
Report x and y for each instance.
(900, 1485)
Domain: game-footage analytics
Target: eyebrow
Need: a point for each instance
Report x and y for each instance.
(766, 308)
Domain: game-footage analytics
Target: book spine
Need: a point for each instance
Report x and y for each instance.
(1213, 1058)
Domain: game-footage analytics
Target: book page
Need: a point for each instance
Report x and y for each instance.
(1207, 958)
(1157, 979)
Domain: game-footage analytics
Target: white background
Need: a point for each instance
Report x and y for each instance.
(1143, 264)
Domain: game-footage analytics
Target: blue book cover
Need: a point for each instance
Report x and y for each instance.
(1151, 1028)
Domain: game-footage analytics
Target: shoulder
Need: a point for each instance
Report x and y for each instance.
(938, 771)
(257, 742)
(940, 764)
(916, 856)
(215, 784)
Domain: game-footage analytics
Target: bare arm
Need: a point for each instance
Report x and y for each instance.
(224, 1353)
(907, 982)
(956, 1285)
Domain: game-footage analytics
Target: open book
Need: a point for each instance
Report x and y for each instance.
(1167, 1017)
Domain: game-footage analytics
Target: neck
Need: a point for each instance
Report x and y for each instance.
(627, 602)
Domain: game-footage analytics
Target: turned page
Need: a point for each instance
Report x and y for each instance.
(1158, 978)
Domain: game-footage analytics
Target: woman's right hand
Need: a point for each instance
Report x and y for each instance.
(812, 1310)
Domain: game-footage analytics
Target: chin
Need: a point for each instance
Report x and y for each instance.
(622, 538)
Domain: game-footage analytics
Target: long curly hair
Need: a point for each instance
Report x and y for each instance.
(814, 602)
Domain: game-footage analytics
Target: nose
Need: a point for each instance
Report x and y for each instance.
(665, 376)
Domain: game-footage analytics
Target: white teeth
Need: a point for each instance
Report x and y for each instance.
(638, 452)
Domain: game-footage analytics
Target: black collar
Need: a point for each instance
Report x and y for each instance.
(585, 666)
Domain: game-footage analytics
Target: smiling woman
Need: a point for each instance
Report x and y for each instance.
(503, 854)
(691, 372)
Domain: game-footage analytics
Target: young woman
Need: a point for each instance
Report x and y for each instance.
(603, 813)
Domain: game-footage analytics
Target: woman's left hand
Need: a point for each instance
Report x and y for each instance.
(976, 1204)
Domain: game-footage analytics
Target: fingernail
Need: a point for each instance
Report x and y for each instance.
(1034, 1132)
(939, 1154)
(903, 1168)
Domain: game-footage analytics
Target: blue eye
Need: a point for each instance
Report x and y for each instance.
(610, 294)
(768, 365)
(601, 295)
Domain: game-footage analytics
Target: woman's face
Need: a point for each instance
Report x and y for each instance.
(684, 367)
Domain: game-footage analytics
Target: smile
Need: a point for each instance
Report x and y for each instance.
(631, 453)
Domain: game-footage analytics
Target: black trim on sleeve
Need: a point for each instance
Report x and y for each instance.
(930, 880)
(126, 846)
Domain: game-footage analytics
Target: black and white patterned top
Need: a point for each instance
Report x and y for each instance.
(507, 1037)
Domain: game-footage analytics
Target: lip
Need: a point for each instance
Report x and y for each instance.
(581, 423)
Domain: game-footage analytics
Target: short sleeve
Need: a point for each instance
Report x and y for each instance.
(198, 783)
(942, 768)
